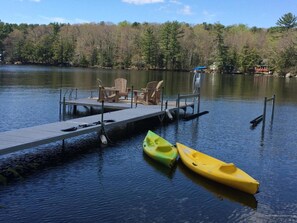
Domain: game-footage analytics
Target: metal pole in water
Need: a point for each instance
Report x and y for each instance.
(198, 108)
(273, 103)
(264, 114)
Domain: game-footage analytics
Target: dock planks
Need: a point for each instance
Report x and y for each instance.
(25, 138)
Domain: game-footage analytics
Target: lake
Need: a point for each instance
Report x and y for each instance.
(118, 183)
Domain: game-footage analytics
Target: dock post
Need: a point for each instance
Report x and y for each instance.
(74, 109)
(60, 112)
(132, 96)
(64, 108)
(162, 98)
(102, 111)
(63, 145)
(178, 100)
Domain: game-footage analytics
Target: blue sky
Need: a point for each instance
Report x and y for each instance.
(260, 13)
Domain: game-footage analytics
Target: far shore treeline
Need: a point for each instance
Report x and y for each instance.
(169, 46)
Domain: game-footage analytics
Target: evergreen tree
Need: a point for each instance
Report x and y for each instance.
(221, 56)
(149, 47)
(169, 43)
(248, 59)
(287, 21)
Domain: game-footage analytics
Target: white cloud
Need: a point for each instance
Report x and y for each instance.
(142, 2)
(80, 21)
(175, 2)
(55, 19)
(186, 10)
(64, 20)
(208, 16)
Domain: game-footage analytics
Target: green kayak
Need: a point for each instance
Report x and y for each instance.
(159, 149)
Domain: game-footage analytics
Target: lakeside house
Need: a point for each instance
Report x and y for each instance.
(262, 69)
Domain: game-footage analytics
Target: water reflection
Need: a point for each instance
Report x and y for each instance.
(218, 190)
(159, 168)
(212, 85)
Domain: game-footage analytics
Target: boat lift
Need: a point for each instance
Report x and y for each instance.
(196, 94)
(262, 117)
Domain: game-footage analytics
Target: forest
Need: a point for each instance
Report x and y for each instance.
(170, 46)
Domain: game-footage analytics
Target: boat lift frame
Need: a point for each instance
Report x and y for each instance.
(262, 118)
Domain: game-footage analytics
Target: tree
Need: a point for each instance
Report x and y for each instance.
(287, 21)
(248, 59)
(149, 47)
(5, 29)
(221, 56)
(170, 45)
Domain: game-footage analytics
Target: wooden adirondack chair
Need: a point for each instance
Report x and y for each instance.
(121, 85)
(107, 94)
(150, 94)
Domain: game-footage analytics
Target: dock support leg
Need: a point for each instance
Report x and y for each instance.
(102, 112)
(64, 109)
(132, 94)
(60, 105)
(162, 98)
(74, 109)
(63, 145)
(178, 100)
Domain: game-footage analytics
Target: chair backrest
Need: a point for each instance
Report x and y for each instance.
(121, 85)
(154, 95)
(150, 89)
(159, 85)
(152, 85)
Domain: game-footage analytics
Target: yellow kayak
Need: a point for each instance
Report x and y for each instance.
(159, 149)
(217, 170)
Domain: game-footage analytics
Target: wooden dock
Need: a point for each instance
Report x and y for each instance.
(120, 113)
(25, 138)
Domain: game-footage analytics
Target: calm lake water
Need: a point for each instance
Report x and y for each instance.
(118, 183)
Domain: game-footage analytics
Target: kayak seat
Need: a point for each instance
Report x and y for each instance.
(228, 168)
(150, 141)
(195, 155)
(163, 148)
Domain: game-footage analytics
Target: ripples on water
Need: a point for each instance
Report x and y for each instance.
(118, 183)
